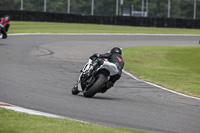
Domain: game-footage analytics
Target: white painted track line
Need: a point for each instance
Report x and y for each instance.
(132, 76)
(32, 112)
(120, 34)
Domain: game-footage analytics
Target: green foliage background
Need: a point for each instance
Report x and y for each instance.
(157, 8)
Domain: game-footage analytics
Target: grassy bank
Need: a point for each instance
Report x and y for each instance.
(15, 122)
(174, 67)
(46, 27)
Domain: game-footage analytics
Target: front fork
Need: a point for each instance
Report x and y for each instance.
(79, 87)
(78, 84)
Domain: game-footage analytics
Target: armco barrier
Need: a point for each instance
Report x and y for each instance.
(111, 20)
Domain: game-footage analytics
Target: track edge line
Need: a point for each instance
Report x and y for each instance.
(158, 86)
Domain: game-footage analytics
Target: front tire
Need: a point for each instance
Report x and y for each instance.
(96, 87)
(75, 90)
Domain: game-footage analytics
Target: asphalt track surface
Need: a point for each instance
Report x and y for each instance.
(38, 72)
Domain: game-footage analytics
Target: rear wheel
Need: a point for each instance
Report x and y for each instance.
(96, 87)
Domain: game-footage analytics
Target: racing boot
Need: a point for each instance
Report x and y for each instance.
(107, 86)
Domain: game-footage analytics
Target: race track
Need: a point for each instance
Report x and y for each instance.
(38, 72)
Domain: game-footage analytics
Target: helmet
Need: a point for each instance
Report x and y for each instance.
(116, 50)
(7, 18)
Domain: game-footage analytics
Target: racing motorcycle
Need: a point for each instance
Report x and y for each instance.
(1, 35)
(94, 77)
(0, 31)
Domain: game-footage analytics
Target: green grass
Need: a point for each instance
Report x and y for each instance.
(174, 67)
(46, 27)
(15, 122)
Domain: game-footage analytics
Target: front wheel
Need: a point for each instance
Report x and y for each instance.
(96, 87)
(75, 90)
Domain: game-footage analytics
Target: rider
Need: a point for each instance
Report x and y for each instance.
(114, 57)
(4, 25)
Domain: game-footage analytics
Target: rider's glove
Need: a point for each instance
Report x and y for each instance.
(94, 56)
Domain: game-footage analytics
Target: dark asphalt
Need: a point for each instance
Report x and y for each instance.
(38, 72)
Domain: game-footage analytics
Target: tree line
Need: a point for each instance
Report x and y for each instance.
(156, 8)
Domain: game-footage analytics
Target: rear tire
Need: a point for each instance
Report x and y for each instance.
(96, 87)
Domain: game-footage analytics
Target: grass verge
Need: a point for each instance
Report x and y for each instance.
(15, 122)
(47, 27)
(174, 67)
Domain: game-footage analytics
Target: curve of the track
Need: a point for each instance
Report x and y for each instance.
(38, 72)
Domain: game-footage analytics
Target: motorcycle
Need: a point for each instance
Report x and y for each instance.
(1, 35)
(94, 77)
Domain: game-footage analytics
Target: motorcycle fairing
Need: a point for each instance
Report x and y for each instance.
(111, 67)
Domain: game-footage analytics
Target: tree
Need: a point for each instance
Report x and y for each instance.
(156, 8)
(81, 6)
(10, 4)
(105, 7)
(59, 6)
(187, 9)
(137, 4)
(33, 5)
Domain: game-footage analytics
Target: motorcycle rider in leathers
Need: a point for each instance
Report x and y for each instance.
(4, 26)
(114, 57)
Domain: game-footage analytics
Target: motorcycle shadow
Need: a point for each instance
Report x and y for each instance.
(97, 97)
(4, 44)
